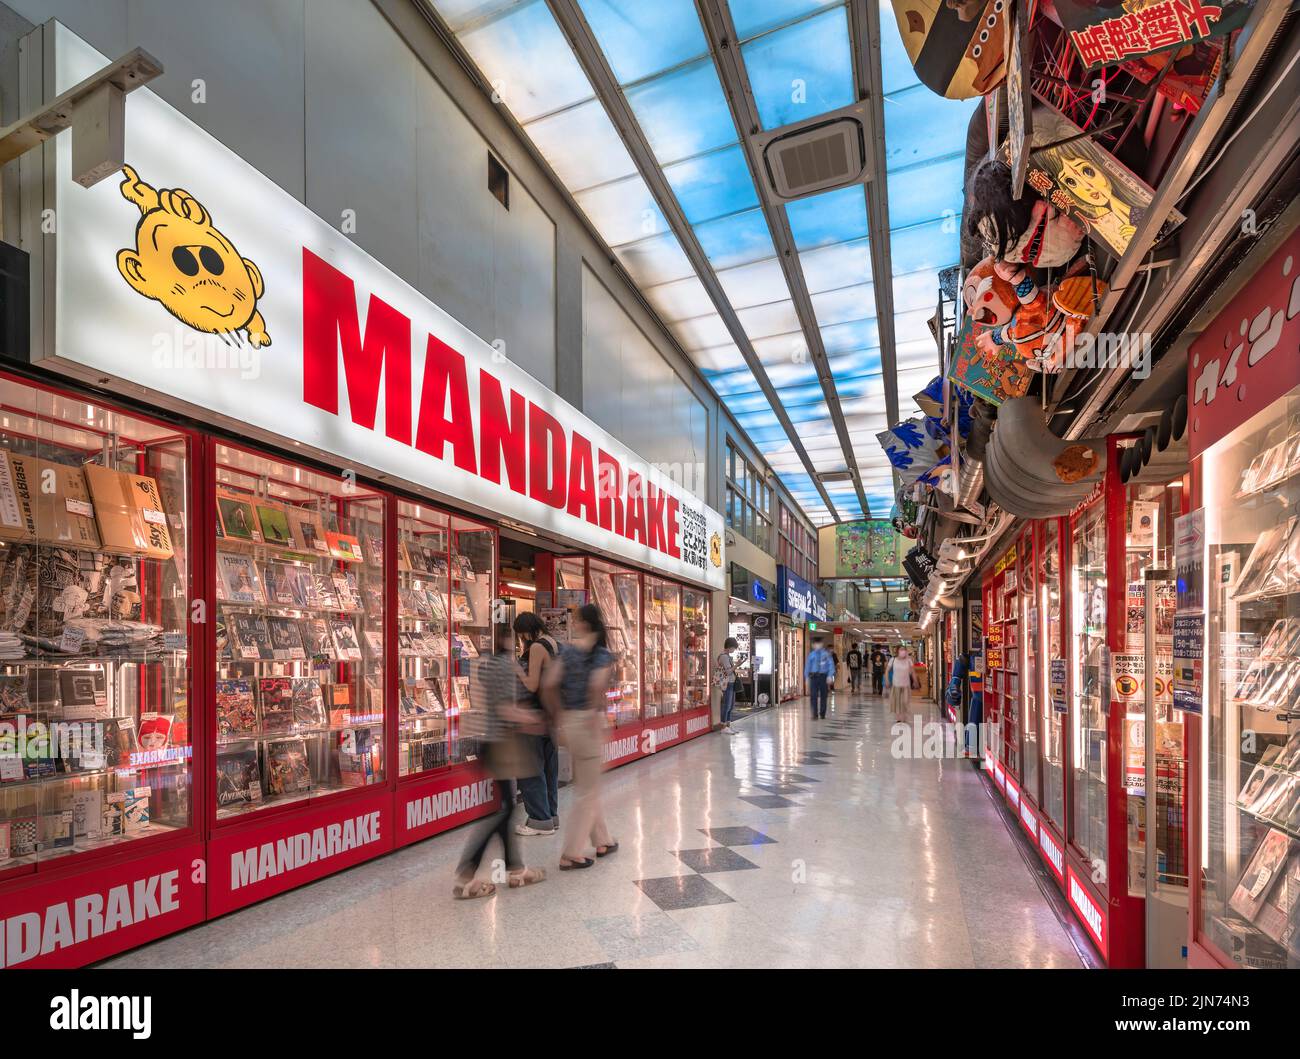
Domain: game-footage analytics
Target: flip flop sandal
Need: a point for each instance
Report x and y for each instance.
(573, 863)
(526, 877)
(605, 851)
(469, 891)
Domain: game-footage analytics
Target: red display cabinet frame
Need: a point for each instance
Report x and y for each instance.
(643, 736)
(170, 864)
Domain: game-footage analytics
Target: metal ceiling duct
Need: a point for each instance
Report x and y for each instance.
(972, 484)
(1031, 472)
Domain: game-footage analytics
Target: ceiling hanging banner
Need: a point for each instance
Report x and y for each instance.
(1105, 33)
(204, 287)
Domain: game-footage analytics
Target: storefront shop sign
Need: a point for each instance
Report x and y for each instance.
(307, 340)
(1246, 358)
(1189, 650)
(800, 599)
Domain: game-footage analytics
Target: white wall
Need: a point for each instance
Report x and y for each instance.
(629, 389)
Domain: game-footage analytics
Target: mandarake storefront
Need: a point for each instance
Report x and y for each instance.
(251, 487)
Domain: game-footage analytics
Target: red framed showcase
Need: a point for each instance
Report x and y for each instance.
(1068, 733)
(659, 632)
(1239, 569)
(446, 583)
(99, 662)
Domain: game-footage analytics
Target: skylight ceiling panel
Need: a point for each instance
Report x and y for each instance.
(640, 39)
(528, 62)
(582, 146)
(729, 242)
(764, 321)
(837, 265)
(622, 212)
(845, 305)
(755, 284)
(921, 126)
(680, 300)
(713, 185)
(788, 87)
(683, 112)
(830, 217)
(655, 259)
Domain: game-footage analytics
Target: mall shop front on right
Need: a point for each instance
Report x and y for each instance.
(1141, 667)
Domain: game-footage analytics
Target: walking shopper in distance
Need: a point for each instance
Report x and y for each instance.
(541, 793)
(724, 675)
(878, 662)
(819, 671)
(854, 661)
(576, 688)
(500, 724)
(902, 682)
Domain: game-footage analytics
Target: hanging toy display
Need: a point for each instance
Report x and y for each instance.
(1040, 324)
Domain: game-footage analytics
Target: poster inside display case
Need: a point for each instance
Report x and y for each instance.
(95, 724)
(617, 591)
(300, 623)
(1031, 721)
(1250, 843)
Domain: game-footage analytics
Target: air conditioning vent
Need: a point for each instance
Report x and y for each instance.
(817, 157)
(835, 476)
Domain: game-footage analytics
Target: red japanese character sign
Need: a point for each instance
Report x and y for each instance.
(1109, 32)
(1250, 355)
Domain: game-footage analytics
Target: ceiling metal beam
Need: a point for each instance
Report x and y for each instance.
(864, 39)
(727, 59)
(1253, 45)
(594, 64)
(864, 35)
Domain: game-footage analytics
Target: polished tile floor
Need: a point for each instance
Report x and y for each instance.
(794, 843)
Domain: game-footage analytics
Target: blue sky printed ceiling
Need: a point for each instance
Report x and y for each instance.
(659, 55)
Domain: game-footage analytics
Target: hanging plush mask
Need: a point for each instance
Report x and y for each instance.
(1027, 230)
(958, 50)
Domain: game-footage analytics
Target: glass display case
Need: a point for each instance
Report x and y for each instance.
(617, 592)
(1031, 721)
(472, 566)
(1149, 513)
(1089, 686)
(1012, 637)
(1054, 676)
(695, 648)
(663, 645)
(790, 658)
(95, 637)
(1249, 841)
(424, 695)
(300, 633)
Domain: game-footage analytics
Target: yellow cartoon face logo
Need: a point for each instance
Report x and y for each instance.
(715, 550)
(181, 260)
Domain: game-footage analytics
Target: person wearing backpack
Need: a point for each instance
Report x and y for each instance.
(541, 793)
(853, 659)
(819, 671)
(501, 725)
(576, 690)
(724, 676)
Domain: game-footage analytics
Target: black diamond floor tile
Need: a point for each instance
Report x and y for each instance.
(715, 858)
(683, 891)
(736, 836)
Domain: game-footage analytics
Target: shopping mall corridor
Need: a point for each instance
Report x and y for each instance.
(793, 843)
